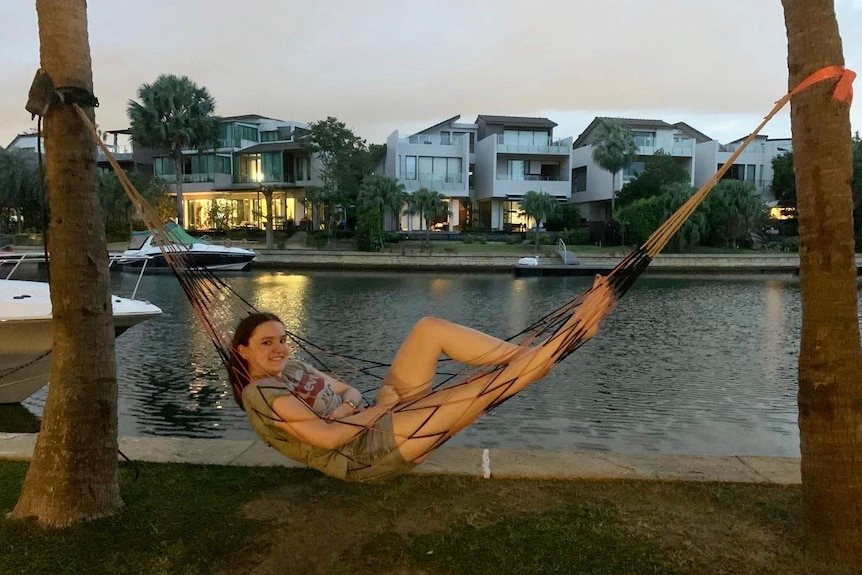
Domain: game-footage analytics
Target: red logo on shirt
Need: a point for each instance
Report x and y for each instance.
(309, 387)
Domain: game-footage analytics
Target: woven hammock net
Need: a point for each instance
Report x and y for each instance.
(219, 308)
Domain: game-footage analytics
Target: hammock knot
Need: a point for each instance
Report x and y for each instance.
(843, 88)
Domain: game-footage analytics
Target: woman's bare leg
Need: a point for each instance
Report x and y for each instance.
(413, 369)
(435, 417)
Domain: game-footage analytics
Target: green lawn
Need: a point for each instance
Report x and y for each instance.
(189, 519)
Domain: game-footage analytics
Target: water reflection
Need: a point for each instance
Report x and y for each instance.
(684, 365)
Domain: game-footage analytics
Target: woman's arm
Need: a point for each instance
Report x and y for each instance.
(304, 424)
(347, 393)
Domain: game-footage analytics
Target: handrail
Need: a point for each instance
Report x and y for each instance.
(562, 251)
(40, 258)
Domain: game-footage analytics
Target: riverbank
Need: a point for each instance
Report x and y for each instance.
(415, 260)
(473, 462)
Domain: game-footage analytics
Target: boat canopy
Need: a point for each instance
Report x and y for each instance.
(175, 233)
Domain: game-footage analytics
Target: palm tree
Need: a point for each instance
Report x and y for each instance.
(830, 355)
(174, 114)
(73, 473)
(428, 205)
(538, 206)
(614, 149)
(734, 209)
(384, 194)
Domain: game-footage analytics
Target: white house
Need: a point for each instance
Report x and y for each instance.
(484, 167)
(699, 154)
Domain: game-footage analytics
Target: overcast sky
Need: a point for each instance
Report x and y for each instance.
(382, 65)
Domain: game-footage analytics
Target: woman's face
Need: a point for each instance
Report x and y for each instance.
(266, 352)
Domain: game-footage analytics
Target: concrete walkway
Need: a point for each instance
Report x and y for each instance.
(488, 463)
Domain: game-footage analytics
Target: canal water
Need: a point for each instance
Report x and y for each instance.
(697, 365)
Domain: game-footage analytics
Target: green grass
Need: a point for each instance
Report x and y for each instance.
(190, 519)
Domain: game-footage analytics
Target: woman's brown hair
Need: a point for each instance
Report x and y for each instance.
(238, 370)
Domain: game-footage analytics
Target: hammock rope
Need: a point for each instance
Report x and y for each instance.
(218, 307)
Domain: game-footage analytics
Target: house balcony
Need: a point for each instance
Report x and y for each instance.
(546, 146)
(506, 187)
(449, 184)
(120, 153)
(432, 140)
(684, 149)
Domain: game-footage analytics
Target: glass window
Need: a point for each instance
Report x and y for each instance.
(425, 165)
(516, 169)
(646, 139)
(409, 167)
(453, 170)
(163, 167)
(222, 165)
(445, 138)
(269, 136)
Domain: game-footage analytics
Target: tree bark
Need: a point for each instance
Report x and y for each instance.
(830, 358)
(73, 474)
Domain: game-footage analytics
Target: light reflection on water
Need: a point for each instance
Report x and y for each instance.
(683, 365)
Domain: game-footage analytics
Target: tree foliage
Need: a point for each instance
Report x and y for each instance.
(733, 210)
(695, 228)
(566, 216)
(428, 205)
(660, 170)
(174, 114)
(614, 149)
(538, 206)
(117, 210)
(784, 180)
(639, 219)
(381, 195)
(20, 195)
(345, 161)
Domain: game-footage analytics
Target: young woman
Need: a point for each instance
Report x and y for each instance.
(321, 421)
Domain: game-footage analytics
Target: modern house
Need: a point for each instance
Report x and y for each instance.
(483, 168)
(118, 143)
(754, 165)
(699, 154)
(256, 154)
(592, 184)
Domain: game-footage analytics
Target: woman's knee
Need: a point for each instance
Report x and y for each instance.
(430, 323)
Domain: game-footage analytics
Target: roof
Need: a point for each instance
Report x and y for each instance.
(632, 123)
(446, 122)
(700, 137)
(519, 121)
(247, 118)
(273, 147)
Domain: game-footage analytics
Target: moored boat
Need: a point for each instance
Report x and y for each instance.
(26, 334)
(144, 252)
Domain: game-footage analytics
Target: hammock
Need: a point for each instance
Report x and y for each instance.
(555, 336)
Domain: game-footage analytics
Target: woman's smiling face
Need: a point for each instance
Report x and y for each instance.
(266, 352)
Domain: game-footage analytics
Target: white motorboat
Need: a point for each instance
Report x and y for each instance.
(26, 339)
(144, 252)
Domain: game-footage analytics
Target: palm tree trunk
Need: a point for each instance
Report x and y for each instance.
(178, 168)
(830, 358)
(73, 474)
(267, 195)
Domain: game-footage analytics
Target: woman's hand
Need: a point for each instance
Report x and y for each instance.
(343, 410)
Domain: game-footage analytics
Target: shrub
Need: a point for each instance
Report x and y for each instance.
(575, 237)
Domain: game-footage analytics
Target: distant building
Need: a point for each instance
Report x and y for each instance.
(118, 143)
(255, 153)
(483, 168)
(699, 154)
